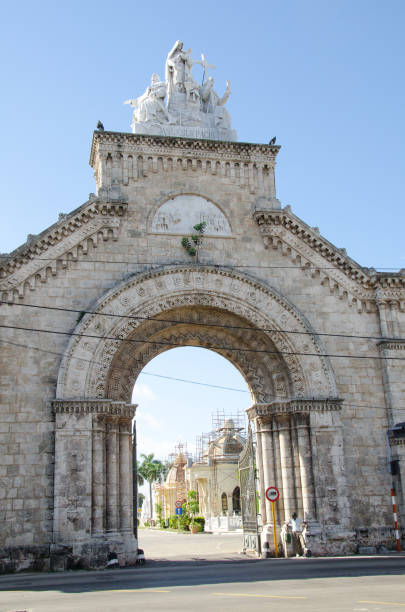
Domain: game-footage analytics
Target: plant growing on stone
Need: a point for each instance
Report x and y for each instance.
(192, 244)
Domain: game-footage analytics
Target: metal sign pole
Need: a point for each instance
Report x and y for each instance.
(272, 494)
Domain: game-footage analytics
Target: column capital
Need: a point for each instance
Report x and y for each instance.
(294, 406)
(97, 407)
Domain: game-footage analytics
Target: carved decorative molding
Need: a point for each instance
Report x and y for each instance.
(281, 229)
(89, 365)
(294, 406)
(184, 145)
(65, 241)
(100, 407)
(118, 158)
(397, 441)
(392, 344)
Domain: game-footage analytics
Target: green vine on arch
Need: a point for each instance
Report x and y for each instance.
(192, 244)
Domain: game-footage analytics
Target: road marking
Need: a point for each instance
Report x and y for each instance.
(132, 591)
(383, 603)
(255, 595)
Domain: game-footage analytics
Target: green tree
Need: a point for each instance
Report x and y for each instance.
(139, 477)
(151, 470)
(192, 505)
(158, 510)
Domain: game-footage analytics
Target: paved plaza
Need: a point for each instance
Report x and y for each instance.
(159, 545)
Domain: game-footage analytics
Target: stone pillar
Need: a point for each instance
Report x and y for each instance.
(279, 479)
(286, 466)
(102, 179)
(296, 466)
(260, 182)
(98, 476)
(259, 460)
(112, 474)
(394, 308)
(272, 183)
(382, 310)
(305, 457)
(125, 471)
(268, 464)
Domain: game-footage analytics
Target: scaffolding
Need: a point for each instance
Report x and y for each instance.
(203, 441)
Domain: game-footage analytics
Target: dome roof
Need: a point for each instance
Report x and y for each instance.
(228, 445)
(176, 472)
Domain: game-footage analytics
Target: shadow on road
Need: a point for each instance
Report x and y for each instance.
(166, 573)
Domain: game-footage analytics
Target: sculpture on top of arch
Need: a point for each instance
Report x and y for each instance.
(193, 109)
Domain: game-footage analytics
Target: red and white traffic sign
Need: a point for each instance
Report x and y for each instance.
(272, 494)
(178, 504)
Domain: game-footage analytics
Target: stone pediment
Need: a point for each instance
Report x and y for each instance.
(316, 256)
(67, 240)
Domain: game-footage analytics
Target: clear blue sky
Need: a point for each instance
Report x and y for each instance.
(325, 77)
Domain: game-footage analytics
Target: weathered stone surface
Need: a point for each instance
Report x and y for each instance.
(264, 291)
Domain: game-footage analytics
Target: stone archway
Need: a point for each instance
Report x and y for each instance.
(233, 314)
(143, 310)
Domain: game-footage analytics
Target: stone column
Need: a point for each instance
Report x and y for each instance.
(286, 466)
(272, 183)
(125, 170)
(260, 182)
(268, 464)
(305, 456)
(102, 172)
(394, 308)
(112, 474)
(98, 476)
(296, 466)
(279, 479)
(125, 471)
(383, 318)
(259, 460)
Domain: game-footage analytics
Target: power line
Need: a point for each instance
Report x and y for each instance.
(94, 362)
(23, 260)
(217, 348)
(192, 382)
(197, 323)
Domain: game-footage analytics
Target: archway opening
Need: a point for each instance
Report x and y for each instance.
(182, 394)
(178, 391)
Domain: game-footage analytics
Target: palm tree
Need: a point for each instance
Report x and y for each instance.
(139, 478)
(151, 470)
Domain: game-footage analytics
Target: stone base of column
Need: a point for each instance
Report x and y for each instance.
(320, 541)
(95, 552)
(267, 535)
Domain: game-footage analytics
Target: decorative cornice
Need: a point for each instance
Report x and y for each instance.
(364, 284)
(139, 142)
(94, 406)
(294, 406)
(397, 441)
(392, 344)
(54, 248)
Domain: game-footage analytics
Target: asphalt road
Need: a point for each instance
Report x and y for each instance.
(328, 584)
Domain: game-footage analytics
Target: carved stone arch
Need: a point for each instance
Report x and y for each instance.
(257, 370)
(123, 315)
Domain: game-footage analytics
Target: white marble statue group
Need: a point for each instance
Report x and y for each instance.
(192, 110)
